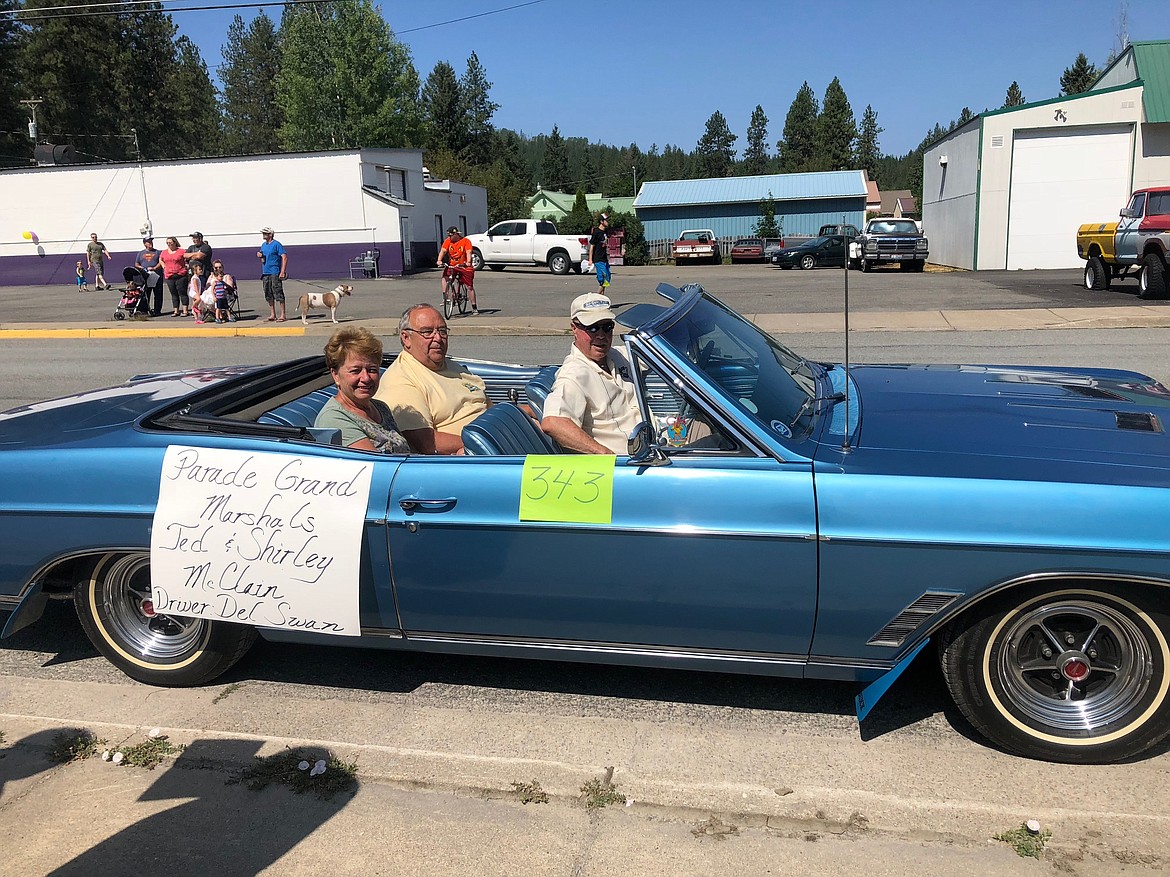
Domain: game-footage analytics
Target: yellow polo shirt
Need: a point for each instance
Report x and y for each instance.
(445, 401)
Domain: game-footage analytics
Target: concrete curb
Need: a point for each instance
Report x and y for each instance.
(1134, 317)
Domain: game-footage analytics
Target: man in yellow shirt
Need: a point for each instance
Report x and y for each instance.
(432, 399)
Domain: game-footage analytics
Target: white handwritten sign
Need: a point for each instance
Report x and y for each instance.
(272, 540)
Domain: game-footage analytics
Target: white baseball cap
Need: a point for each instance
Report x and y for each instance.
(592, 307)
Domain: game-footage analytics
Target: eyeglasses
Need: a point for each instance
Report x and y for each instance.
(217, 267)
(430, 331)
(605, 327)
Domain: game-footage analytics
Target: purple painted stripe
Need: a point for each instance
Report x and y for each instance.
(307, 262)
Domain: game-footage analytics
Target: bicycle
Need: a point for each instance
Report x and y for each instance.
(454, 292)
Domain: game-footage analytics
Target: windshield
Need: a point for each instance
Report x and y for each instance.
(893, 226)
(760, 376)
(813, 243)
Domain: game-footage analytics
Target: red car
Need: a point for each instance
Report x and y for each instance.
(747, 250)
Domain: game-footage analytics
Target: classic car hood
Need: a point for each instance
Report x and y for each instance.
(82, 415)
(1045, 415)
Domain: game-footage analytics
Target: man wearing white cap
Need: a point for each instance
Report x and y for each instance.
(592, 408)
(273, 270)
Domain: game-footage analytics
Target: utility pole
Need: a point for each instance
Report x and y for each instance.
(32, 125)
(635, 170)
(147, 228)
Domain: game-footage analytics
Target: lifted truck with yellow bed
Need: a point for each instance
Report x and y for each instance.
(1138, 245)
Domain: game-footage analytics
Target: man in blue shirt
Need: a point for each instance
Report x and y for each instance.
(274, 262)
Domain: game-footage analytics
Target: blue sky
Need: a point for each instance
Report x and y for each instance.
(653, 71)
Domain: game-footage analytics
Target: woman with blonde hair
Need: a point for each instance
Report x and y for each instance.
(354, 356)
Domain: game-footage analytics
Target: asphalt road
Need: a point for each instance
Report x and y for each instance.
(536, 292)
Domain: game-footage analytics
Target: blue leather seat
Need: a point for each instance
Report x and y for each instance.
(299, 412)
(505, 431)
(539, 387)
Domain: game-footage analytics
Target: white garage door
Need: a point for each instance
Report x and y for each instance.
(1061, 179)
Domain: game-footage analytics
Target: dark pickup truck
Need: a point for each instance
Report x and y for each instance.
(888, 239)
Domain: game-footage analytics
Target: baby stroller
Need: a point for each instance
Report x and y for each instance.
(135, 301)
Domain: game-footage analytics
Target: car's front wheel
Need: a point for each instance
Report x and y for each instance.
(1075, 675)
(808, 261)
(116, 609)
(1152, 281)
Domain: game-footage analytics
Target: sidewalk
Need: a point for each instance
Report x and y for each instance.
(437, 794)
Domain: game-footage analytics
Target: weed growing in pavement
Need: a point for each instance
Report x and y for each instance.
(227, 692)
(602, 793)
(1026, 843)
(530, 793)
(1, 738)
(323, 774)
(150, 753)
(76, 744)
(714, 827)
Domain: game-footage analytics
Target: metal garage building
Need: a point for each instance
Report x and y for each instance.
(731, 206)
(1009, 188)
(327, 209)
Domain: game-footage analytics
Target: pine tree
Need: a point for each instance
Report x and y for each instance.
(251, 115)
(868, 152)
(578, 220)
(798, 146)
(767, 227)
(193, 113)
(342, 77)
(554, 168)
(714, 150)
(589, 178)
(1079, 77)
(13, 147)
(755, 157)
(836, 131)
(442, 110)
(75, 64)
(477, 109)
(1014, 96)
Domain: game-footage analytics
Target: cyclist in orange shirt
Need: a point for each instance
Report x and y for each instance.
(456, 253)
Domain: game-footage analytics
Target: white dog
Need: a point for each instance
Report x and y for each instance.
(330, 299)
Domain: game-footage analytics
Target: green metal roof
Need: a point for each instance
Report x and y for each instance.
(1152, 61)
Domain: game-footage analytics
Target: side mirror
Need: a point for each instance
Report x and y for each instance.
(643, 449)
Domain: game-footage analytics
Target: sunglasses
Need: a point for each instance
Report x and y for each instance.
(430, 331)
(605, 327)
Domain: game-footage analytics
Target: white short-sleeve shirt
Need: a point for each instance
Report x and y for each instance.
(604, 404)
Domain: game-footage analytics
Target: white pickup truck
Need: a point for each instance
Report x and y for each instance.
(527, 242)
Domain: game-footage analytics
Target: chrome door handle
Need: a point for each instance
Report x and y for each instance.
(410, 503)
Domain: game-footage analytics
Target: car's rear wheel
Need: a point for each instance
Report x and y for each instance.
(116, 609)
(558, 263)
(477, 260)
(1075, 675)
(1096, 274)
(494, 267)
(1152, 282)
(808, 261)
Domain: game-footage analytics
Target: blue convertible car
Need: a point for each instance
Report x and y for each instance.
(774, 516)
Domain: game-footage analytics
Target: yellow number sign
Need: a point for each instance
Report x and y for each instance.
(571, 489)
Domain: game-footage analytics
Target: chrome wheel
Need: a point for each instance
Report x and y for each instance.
(1078, 674)
(116, 609)
(128, 609)
(1074, 666)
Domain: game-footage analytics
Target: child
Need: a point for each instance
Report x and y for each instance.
(82, 283)
(195, 291)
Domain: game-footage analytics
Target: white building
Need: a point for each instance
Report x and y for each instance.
(327, 209)
(1009, 188)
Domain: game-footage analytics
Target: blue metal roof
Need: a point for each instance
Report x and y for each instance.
(733, 190)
